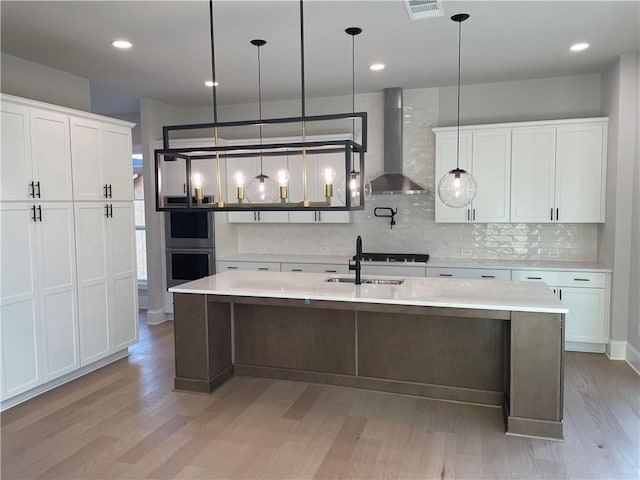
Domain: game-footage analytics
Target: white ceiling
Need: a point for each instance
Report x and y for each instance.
(170, 59)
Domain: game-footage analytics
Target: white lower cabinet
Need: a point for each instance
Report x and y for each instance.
(586, 295)
(480, 273)
(39, 318)
(250, 266)
(105, 244)
(393, 270)
(315, 267)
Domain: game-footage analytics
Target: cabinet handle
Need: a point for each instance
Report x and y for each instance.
(106, 190)
(551, 217)
(581, 279)
(106, 210)
(263, 268)
(296, 269)
(38, 187)
(319, 216)
(557, 214)
(255, 219)
(232, 268)
(534, 278)
(110, 192)
(33, 212)
(468, 215)
(259, 217)
(331, 271)
(184, 188)
(488, 276)
(39, 213)
(560, 291)
(446, 275)
(474, 214)
(32, 188)
(111, 210)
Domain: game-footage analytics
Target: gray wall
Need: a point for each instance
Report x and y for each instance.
(619, 102)
(634, 279)
(38, 82)
(538, 99)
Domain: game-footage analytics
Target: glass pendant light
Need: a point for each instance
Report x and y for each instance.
(458, 188)
(261, 188)
(353, 184)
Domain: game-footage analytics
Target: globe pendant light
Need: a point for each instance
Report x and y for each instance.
(261, 188)
(353, 185)
(458, 188)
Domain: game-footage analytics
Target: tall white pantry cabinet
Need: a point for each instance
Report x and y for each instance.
(68, 289)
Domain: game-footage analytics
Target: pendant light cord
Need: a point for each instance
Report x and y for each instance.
(213, 64)
(459, 54)
(302, 57)
(353, 86)
(260, 107)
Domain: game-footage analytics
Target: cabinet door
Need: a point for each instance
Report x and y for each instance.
(51, 154)
(93, 277)
(57, 286)
(580, 173)
(492, 171)
(15, 158)
(446, 151)
(585, 321)
(117, 162)
(122, 260)
(18, 308)
(89, 177)
(533, 174)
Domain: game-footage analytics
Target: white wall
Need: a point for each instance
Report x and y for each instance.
(619, 102)
(38, 82)
(538, 99)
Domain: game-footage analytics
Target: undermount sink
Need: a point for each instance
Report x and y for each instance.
(373, 281)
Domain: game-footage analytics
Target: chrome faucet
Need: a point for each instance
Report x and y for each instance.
(358, 258)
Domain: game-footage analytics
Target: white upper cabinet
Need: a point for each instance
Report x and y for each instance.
(36, 157)
(102, 166)
(580, 173)
(528, 172)
(533, 174)
(559, 173)
(486, 155)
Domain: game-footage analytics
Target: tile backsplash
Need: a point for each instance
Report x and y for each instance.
(416, 230)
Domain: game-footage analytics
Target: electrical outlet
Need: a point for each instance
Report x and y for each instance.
(324, 249)
(465, 252)
(554, 254)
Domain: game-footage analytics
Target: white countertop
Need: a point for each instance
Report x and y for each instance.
(433, 262)
(428, 292)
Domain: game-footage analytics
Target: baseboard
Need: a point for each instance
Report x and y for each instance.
(584, 347)
(616, 350)
(40, 389)
(633, 358)
(156, 317)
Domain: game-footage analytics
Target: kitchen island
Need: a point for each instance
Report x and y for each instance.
(496, 343)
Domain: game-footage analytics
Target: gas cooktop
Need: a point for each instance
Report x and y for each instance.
(395, 257)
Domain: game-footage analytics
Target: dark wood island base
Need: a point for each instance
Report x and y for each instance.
(499, 358)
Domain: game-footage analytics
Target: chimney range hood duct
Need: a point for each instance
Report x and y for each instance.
(393, 181)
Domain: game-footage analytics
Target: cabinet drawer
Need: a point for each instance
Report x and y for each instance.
(252, 266)
(480, 273)
(562, 279)
(315, 267)
(393, 270)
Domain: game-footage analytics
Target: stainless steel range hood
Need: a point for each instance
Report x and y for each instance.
(392, 181)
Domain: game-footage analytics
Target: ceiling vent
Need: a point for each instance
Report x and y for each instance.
(418, 9)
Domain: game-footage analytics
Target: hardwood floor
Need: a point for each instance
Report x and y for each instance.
(124, 421)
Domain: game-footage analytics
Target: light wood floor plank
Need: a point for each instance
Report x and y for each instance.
(125, 421)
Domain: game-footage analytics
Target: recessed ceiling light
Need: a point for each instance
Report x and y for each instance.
(209, 83)
(577, 47)
(376, 66)
(122, 44)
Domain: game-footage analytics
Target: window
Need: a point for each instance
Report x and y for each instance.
(141, 233)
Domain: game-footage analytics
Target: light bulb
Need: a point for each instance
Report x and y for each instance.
(240, 179)
(197, 180)
(262, 189)
(283, 178)
(353, 187)
(328, 175)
